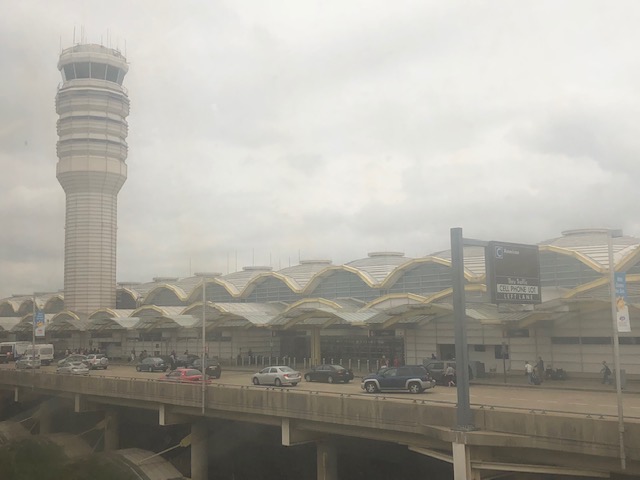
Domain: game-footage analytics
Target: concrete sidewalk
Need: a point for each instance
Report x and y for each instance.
(579, 383)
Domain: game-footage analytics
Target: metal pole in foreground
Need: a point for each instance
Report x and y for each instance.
(463, 412)
(33, 336)
(204, 331)
(616, 348)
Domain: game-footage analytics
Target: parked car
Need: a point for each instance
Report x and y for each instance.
(96, 361)
(185, 360)
(74, 357)
(213, 368)
(412, 378)
(152, 364)
(73, 368)
(183, 375)
(329, 374)
(436, 369)
(28, 362)
(277, 375)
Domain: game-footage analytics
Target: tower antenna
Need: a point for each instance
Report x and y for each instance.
(74, 34)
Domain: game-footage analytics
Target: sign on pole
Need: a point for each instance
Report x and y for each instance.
(38, 323)
(513, 273)
(622, 310)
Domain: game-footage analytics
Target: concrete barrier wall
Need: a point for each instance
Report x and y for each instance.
(410, 417)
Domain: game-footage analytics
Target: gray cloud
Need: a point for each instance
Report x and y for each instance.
(265, 133)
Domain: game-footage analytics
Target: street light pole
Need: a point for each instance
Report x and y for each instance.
(33, 334)
(204, 332)
(616, 344)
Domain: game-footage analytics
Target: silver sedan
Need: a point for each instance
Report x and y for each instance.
(277, 375)
(74, 368)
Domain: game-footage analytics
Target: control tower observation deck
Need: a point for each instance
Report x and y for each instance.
(92, 106)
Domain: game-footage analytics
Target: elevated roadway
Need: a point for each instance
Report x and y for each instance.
(561, 432)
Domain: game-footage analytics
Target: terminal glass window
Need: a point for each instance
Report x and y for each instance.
(112, 73)
(423, 280)
(69, 72)
(98, 70)
(83, 70)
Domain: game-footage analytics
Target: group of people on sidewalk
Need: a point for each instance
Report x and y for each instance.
(534, 374)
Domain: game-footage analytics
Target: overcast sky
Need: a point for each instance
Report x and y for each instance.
(262, 133)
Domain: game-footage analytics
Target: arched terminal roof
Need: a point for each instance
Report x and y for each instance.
(574, 267)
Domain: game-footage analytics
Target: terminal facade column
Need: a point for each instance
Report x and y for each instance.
(199, 450)
(315, 347)
(327, 461)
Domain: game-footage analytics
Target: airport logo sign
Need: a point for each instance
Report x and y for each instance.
(513, 273)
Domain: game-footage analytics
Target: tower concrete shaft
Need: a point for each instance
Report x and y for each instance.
(92, 106)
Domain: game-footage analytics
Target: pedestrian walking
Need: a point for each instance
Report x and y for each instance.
(528, 369)
(450, 376)
(606, 373)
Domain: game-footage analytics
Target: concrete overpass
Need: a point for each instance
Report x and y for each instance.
(506, 439)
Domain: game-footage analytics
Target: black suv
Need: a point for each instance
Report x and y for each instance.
(214, 370)
(412, 378)
(185, 360)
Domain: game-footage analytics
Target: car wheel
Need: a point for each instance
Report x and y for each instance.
(414, 387)
(294, 383)
(217, 377)
(256, 381)
(164, 369)
(307, 377)
(138, 369)
(370, 387)
(278, 383)
(329, 379)
(105, 367)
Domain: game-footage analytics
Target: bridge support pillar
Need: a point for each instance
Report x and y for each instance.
(111, 430)
(462, 463)
(199, 451)
(45, 418)
(327, 461)
(315, 347)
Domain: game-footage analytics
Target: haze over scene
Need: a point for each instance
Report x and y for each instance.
(262, 133)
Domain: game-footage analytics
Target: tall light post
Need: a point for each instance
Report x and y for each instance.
(616, 344)
(33, 332)
(36, 318)
(204, 332)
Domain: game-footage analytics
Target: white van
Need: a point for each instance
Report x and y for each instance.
(12, 350)
(44, 351)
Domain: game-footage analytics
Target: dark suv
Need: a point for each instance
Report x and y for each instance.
(214, 370)
(411, 378)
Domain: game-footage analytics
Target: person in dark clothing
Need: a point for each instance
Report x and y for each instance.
(540, 369)
(606, 373)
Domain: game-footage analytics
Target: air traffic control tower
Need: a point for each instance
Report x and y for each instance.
(92, 106)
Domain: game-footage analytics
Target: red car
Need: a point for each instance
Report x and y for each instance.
(183, 375)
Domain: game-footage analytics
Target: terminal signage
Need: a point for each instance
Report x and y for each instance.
(513, 273)
(38, 323)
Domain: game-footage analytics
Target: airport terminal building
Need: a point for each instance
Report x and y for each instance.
(385, 304)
